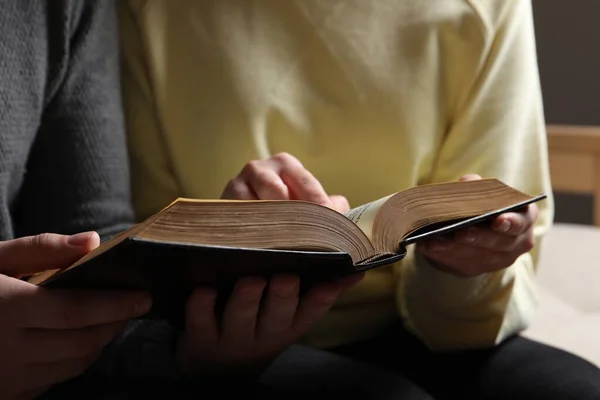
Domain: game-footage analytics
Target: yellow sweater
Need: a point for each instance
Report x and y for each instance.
(373, 96)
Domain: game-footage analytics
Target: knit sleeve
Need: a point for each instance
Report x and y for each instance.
(499, 131)
(77, 175)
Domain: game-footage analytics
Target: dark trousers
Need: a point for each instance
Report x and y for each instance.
(519, 368)
(394, 365)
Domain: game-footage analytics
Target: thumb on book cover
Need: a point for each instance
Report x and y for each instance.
(32, 254)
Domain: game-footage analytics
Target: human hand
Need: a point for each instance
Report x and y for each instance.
(48, 336)
(480, 249)
(259, 321)
(281, 177)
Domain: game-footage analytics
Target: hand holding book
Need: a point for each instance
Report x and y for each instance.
(49, 336)
(260, 320)
(483, 248)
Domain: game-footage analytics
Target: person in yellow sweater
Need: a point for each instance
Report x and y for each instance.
(344, 102)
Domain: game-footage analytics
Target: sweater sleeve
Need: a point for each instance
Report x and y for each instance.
(77, 175)
(498, 131)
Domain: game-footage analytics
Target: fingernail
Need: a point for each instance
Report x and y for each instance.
(143, 304)
(504, 226)
(79, 239)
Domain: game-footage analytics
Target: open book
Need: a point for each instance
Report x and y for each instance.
(194, 242)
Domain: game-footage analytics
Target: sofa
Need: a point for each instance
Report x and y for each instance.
(568, 316)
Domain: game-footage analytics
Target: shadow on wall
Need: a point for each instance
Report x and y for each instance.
(568, 47)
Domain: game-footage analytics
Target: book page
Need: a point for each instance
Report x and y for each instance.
(364, 216)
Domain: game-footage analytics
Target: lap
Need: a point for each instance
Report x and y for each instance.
(297, 373)
(395, 365)
(304, 371)
(518, 368)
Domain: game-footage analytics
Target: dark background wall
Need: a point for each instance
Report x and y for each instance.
(568, 46)
(568, 40)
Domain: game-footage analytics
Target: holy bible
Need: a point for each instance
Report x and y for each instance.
(213, 242)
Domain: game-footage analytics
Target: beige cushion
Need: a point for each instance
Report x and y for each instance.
(569, 278)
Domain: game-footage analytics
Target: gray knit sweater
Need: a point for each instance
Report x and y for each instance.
(63, 156)
(63, 162)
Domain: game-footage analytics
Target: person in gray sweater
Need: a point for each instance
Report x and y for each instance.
(64, 187)
(63, 169)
